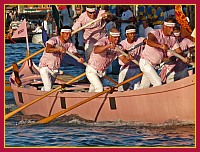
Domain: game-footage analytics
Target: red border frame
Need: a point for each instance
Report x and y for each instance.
(93, 149)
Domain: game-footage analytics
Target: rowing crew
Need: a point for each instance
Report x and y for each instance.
(104, 52)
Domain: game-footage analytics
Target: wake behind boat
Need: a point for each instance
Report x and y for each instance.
(173, 101)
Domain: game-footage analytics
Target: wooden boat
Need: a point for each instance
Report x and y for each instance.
(166, 103)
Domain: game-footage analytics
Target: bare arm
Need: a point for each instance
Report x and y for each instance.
(81, 60)
(51, 49)
(152, 41)
(99, 49)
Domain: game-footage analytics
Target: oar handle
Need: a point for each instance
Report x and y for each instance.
(86, 25)
(178, 55)
(136, 46)
(75, 57)
(18, 63)
(122, 52)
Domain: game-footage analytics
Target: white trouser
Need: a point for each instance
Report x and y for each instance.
(48, 78)
(121, 78)
(88, 50)
(95, 79)
(150, 75)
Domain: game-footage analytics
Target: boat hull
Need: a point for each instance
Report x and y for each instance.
(174, 101)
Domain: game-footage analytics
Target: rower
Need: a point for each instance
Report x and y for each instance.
(52, 56)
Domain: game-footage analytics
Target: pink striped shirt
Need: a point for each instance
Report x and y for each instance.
(154, 55)
(136, 53)
(93, 32)
(179, 65)
(185, 44)
(101, 62)
(53, 60)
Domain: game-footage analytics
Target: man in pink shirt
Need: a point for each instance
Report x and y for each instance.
(158, 42)
(177, 69)
(56, 48)
(101, 57)
(130, 69)
(95, 31)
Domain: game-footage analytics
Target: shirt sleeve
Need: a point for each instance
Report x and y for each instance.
(71, 48)
(190, 43)
(176, 45)
(78, 22)
(51, 41)
(101, 42)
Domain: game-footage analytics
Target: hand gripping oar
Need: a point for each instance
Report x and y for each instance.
(135, 46)
(76, 58)
(50, 118)
(179, 56)
(43, 96)
(86, 25)
(32, 55)
(122, 52)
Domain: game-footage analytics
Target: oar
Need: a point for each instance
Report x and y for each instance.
(122, 52)
(43, 96)
(32, 55)
(135, 46)
(86, 25)
(179, 56)
(76, 58)
(50, 118)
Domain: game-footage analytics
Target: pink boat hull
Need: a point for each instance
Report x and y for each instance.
(173, 101)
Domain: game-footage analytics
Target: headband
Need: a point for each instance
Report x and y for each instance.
(66, 30)
(177, 34)
(169, 24)
(114, 33)
(90, 9)
(130, 31)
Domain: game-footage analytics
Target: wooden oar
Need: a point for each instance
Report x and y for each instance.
(179, 56)
(125, 54)
(32, 55)
(76, 58)
(50, 118)
(86, 25)
(43, 96)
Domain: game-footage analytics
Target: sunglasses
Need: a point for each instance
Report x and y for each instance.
(92, 12)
